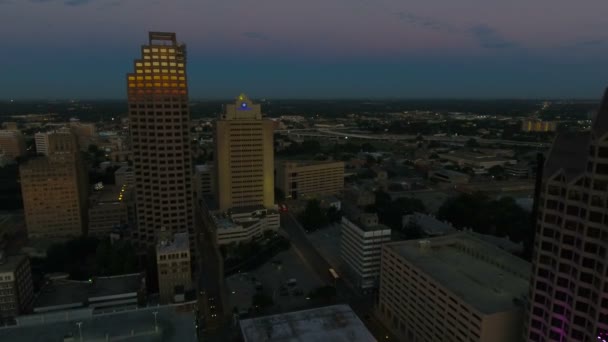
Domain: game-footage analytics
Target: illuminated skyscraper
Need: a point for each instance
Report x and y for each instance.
(160, 122)
(569, 286)
(244, 156)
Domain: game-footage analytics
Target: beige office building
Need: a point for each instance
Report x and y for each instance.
(159, 118)
(12, 144)
(16, 287)
(452, 288)
(55, 193)
(174, 270)
(310, 179)
(244, 156)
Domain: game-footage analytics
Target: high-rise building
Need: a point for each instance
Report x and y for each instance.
(317, 178)
(160, 122)
(62, 140)
(569, 286)
(360, 246)
(204, 179)
(16, 287)
(452, 288)
(12, 144)
(244, 156)
(55, 190)
(108, 209)
(173, 262)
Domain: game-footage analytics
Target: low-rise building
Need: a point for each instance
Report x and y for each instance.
(361, 243)
(330, 323)
(536, 125)
(100, 294)
(428, 225)
(448, 177)
(311, 178)
(455, 288)
(174, 267)
(16, 287)
(244, 224)
(476, 160)
(521, 170)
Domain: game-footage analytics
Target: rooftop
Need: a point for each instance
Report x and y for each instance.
(429, 224)
(109, 193)
(487, 278)
(180, 242)
(475, 156)
(11, 262)
(67, 292)
(133, 326)
(331, 323)
(203, 168)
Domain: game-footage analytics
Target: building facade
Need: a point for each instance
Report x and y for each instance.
(244, 156)
(204, 179)
(297, 179)
(535, 125)
(452, 288)
(55, 195)
(16, 287)
(569, 286)
(361, 244)
(108, 210)
(12, 144)
(159, 119)
(174, 268)
(124, 176)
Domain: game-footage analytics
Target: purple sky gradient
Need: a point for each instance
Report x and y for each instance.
(434, 33)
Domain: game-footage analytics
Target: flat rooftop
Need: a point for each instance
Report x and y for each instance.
(483, 284)
(180, 242)
(475, 156)
(10, 263)
(109, 193)
(65, 292)
(132, 326)
(336, 323)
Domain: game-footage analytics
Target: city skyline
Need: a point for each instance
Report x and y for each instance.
(311, 50)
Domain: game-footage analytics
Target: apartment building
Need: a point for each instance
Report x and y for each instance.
(310, 179)
(452, 288)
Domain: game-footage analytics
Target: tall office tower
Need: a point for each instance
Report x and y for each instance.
(160, 123)
(12, 144)
(244, 158)
(569, 285)
(55, 191)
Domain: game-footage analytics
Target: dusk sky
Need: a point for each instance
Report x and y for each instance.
(312, 48)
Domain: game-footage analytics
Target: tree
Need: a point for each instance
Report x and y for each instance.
(313, 216)
(333, 215)
(261, 301)
(323, 293)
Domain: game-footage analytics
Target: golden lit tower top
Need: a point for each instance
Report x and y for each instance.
(161, 69)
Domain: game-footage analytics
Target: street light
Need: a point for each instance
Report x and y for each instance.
(155, 323)
(79, 324)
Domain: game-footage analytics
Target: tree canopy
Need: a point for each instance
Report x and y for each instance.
(501, 217)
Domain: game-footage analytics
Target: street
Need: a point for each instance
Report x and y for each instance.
(362, 305)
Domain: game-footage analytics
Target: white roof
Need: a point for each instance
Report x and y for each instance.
(334, 323)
